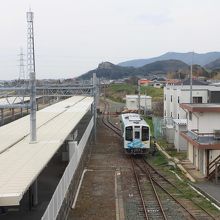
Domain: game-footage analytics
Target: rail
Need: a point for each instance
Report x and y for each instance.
(55, 203)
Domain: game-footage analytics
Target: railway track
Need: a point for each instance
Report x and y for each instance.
(198, 211)
(156, 196)
(106, 120)
(162, 199)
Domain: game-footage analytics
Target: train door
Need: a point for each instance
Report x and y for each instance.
(137, 132)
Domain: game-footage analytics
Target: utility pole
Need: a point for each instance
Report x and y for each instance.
(191, 75)
(145, 103)
(139, 97)
(94, 103)
(31, 71)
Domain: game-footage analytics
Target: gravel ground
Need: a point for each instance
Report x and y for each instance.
(97, 196)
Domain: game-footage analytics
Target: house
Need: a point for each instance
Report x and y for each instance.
(203, 136)
(145, 82)
(145, 102)
(174, 95)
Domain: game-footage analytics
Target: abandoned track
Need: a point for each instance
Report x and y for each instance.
(163, 199)
(106, 120)
(196, 211)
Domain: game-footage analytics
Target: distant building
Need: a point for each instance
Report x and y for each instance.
(145, 82)
(132, 102)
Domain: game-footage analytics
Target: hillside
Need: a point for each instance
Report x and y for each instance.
(213, 65)
(165, 66)
(199, 59)
(112, 71)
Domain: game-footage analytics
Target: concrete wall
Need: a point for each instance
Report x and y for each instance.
(70, 195)
(179, 142)
(170, 134)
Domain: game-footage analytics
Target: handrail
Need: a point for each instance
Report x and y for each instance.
(211, 165)
(217, 158)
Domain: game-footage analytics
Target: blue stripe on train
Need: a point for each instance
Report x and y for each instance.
(136, 143)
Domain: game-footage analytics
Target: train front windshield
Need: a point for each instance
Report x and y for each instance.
(145, 133)
(129, 133)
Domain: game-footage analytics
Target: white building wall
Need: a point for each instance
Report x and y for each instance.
(190, 152)
(192, 124)
(183, 93)
(146, 101)
(131, 104)
(173, 104)
(208, 121)
(205, 122)
(167, 101)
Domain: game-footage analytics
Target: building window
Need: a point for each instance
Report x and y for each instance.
(171, 98)
(197, 99)
(178, 116)
(190, 116)
(171, 115)
(178, 99)
(165, 112)
(164, 97)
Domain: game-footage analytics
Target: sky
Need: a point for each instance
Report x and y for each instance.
(73, 37)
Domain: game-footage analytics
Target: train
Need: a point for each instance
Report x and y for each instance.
(135, 133)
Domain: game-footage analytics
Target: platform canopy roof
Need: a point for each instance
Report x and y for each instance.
(14, 100)
(22, 162)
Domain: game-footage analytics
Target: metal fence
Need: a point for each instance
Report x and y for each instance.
(157, 122)
(61, 190)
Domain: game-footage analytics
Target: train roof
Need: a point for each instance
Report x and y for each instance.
(133, 118)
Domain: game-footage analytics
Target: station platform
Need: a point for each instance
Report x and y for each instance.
(210, 190)
(22, 162)
(206, 187)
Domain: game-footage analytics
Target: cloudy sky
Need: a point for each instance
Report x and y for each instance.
(74, 36)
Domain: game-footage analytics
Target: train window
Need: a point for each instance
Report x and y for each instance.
(137, 135)
(128, 133)
(145, 133)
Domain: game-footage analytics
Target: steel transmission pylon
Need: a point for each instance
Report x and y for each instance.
(21, 65)
(31, 72)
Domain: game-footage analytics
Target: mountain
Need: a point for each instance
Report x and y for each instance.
(213, 65)
(164, 66)
(111, 71)
(200, 59)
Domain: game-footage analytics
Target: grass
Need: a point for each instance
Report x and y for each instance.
(150, 123)
(117, 92)
(171, 150)
(155, 93)
(160, 162)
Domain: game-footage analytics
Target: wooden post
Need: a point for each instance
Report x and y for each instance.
(207, 162)
(13, 114)
(2, 116)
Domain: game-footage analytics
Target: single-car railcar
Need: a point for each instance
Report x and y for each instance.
(136, 134)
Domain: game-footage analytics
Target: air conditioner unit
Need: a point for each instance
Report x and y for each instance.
(216, 134)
